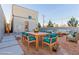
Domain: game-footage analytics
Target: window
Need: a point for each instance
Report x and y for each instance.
(29, 17)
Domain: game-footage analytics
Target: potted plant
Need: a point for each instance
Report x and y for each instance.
(55, 47)
(36, 30)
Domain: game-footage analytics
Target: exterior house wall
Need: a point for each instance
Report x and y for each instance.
(20, 22)
(20, 16)
(32, 25)
(2, 19)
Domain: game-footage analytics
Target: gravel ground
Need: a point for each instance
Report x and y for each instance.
(65, 48)
(71, 47)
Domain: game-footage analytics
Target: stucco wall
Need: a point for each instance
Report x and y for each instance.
(2, 18)
(19, 24)
(32, 25)
(24, 12)
(20, 15)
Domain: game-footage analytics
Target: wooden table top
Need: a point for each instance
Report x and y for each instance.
(39, 33)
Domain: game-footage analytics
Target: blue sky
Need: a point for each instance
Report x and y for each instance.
(57, 13)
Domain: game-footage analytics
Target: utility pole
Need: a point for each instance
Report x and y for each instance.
(43, 21)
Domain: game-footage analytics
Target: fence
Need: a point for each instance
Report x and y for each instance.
(76, 29)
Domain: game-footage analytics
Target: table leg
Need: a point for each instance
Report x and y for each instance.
(37, 42)
(42, 41)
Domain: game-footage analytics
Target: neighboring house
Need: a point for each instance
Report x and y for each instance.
(23, 19)
(2, 23)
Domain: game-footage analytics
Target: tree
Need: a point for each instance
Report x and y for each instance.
(72, 22)
(39, 25)
(50, 24)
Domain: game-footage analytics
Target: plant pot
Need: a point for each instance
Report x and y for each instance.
(36, 31)
(55, 47)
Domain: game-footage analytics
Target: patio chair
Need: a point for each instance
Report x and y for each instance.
(73, 37)
(24, 37)
(50, 40)
(27, 38)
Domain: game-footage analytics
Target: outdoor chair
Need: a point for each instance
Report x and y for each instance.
(73, 37)
(50, 40)
(62, 32)
(27, 38)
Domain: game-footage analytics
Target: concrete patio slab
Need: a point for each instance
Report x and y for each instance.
(8, 43)
(10, 46)
(13, 50)
(8, 38)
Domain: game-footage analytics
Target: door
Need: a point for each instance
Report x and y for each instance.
(26, 25)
